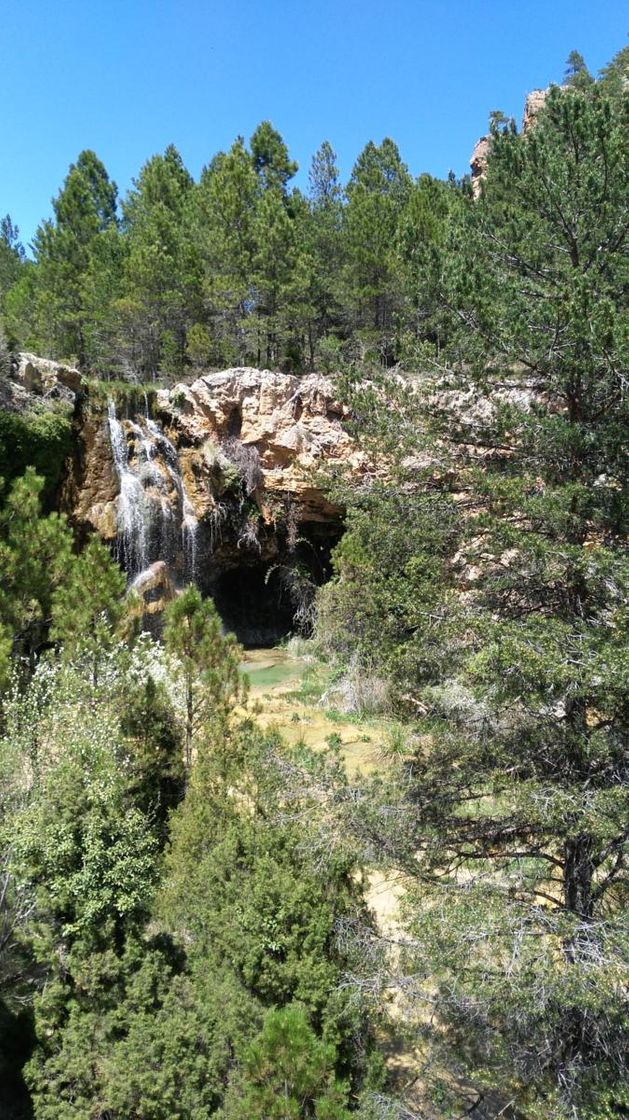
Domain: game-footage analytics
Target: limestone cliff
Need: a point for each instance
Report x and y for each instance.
(217, 482)
(535, 101)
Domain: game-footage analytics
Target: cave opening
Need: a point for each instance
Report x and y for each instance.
(265, 602)
(254, 605)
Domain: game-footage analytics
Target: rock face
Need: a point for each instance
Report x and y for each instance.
(478, 163)
(217, 482)
(291, 425)
(47, 378)
(535, 101)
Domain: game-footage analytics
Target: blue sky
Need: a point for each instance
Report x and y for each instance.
(127, 77)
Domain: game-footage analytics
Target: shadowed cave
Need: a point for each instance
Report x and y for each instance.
(265, 602)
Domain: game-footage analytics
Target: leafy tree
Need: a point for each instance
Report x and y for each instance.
(81, 839)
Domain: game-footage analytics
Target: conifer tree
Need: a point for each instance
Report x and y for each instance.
(35, 555)
(512, 820)
(84, 208)
(208, 664)
(376, 195)
(270, 158)
(87, 606)
(225, 218)
(161, 288)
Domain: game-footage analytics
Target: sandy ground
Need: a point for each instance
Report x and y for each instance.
(275, 678)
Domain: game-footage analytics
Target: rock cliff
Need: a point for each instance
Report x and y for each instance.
(218, 482)
(535, 101)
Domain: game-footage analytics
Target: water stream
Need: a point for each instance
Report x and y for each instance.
(132, 511)
(155, 517)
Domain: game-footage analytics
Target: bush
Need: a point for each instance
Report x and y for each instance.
(42, 440)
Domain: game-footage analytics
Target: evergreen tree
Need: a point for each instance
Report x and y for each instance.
(208, 664)
(273, 276)
(84, 208)
(161, 285)
(270, 158)
(35, 556)
(376, 195)
(87, 606)
(225, 219)
(12, 257)
(322, 240)
(512, 818)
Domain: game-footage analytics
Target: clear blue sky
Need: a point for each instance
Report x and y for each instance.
(127, 77)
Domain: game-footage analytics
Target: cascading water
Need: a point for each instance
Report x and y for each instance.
(156, 520)
(189, 522)
(131, 543)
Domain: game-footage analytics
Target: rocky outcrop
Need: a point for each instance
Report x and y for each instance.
(479, 158)
(535, 101)
(218, 481)
(292, 426)
(37, 384)
(478, 164)
(46, 378)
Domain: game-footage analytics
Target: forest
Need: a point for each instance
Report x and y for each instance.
(186, 919)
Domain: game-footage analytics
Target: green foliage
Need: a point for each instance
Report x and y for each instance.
(84, 209)
(207, 665)
(287, 1073)
(181, 896)
(507, 809)
(34, 559)
(41, 440)
(88, 605)
(384, 606)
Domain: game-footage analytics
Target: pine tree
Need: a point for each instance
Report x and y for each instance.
(87, 606)
(512, 820)
(376, 195)
(12, 257)
(270, 158)
(323, 244)
(208, 663)
(225, 203)
(161, 283)
(35, 554)
(84, 208)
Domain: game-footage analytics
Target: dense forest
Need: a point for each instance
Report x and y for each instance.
(185, 927)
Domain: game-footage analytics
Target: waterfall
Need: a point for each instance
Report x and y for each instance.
(156, 520)
(189, 522)
(131, 546)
